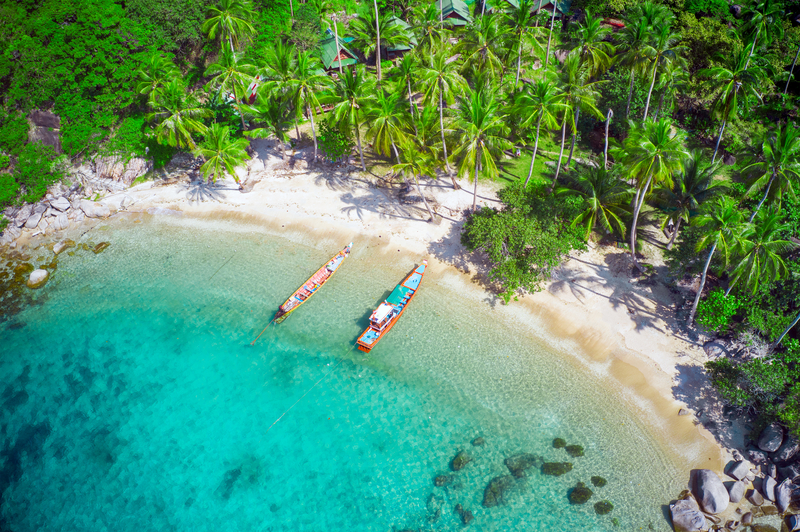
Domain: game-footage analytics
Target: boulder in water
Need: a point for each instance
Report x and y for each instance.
(519, 463)
(580, 494)
(442, 480)
(603, 507)
(574, 451)
(434, 507)
(771, 438)
(495, 492)
(38, 278)
(736, 491)
(686, 516)
(556, 469)
(559, 443)
(99, 248)
(478, 442)
(599, 482)
(710, 491)
(761, 527)
(460, 460)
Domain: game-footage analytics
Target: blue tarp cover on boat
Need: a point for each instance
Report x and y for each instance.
(369, 337)
(413, 281)
(398, 294)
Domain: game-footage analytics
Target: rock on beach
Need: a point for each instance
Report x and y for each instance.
(787, 450)
(38, 278)
(687, 517)
(739, 470)
(737, 490)
(710, 491)
(768, 488)
(771, 438)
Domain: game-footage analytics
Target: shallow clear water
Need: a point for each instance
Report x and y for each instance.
(132, 400)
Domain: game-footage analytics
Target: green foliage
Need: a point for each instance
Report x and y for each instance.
(173, 24)
(3, 223)
(716, 311)
(614, 95)
(9, 190)
(525, 240)
(705, 38)
(13, 132)
(306, 31)
(333, 143)
(5, 162)
(712, 7)
(36, 169)
(273, 20)
(128, 140)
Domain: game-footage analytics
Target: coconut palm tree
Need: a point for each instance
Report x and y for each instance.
(662, 51)
(416, 161)
(275, 115)
(430, 27)
(765, 20)
(221, 153)
(632, 41)
(691, 187)
(588, 41)
(232, 77)
(539, 103)
(605, 200)
(722, 226)
(760, 247)
(578, 94)
(481, 136)
(177, 115)
(351, 94)
(672, 80)
(521, 20)
(370, 33)
(732, 78)
(231, 20)
(441, 80)
(550, 34)
(482, 45)
(652, 152)
(405, 71)
(387, 117)
(308, 80)
(776, 165)
(155, 72)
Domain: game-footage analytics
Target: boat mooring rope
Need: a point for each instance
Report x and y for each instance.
(226, 262)
(307, 391)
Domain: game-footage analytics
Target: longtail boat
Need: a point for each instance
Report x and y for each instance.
(386, 315)
(312, 286)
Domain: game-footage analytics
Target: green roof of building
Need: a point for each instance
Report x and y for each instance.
(456, 11)
(562, 6)
(412, 39)
(328, 53)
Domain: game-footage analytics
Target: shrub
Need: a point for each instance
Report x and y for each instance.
(9, 190)
(712, 7)
(705, 39)
(36, 169)
(5, 162)
(128, 140)
(13, 132)
(716, 311)
(333, 143)
(614, 95)
(3, 223)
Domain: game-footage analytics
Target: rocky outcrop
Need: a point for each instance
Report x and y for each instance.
(736, 491)
(94, 210)
(556, 469)
(787, 450)
(580, 494)
(687, 517)
(520, 463)
(46, 129)
(771, 438)
(121, 171)
(710, 492)
(38, 278)
(497, 490)
(460, 460)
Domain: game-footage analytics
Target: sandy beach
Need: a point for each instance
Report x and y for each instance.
(612, 325)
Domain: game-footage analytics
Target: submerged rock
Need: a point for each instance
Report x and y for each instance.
(771, 438)
(710, 491)
(460, 460)
(556, 469)
(465, 515)
(599, 481)
(760, 527)
(38, 278)
(687, 517)
(559, 443)
(495, 492)
(580, 494)
(99, 248)
(478, 442)
(442, 480)
(434, 507)
(603, 507)
(574, 451)
(519, 463)
(61, 246)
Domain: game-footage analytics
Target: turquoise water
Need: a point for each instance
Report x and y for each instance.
(132, 400)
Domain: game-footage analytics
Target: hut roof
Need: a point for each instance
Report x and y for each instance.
(329, 54)
(412, 39)
(456, 11)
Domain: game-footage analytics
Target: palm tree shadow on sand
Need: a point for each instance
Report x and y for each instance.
(198, 190)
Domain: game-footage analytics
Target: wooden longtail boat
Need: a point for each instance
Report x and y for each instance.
(312, 286)
(386, 315)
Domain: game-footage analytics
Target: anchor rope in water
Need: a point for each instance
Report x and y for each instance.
(226, 262)
(262, 332)
(309, 390)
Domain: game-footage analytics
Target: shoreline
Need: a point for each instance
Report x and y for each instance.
(599, 320)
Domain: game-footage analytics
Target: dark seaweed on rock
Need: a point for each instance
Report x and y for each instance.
(556, 469)
(599, 482)
(559, 443)
(580, 494)
(574, 451)
(603, 507)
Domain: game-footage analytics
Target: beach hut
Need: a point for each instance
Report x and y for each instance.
(455, 12)
(331, 57)
(393, 52)
(561, 7)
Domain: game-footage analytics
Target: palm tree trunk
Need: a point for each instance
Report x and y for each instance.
(605, 149)
(519, 65)
(650, 92)
(411, 102)
(753, 49)
(360, 151)
(785, 332)
(574, 136)
(444, 145)
(378, 40)
(660, 103)
(674, 233)
(291, 10)
(702, 285)
(336, 34)
(297, 130)
(425, 201)
(313, 133)
(397, 157)
(475, 190)
(786, 88)
(550, 37)
(719, 138)
(630, 94)
(535, 147)
(637, 209)
(760, 203)
(561, 153)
